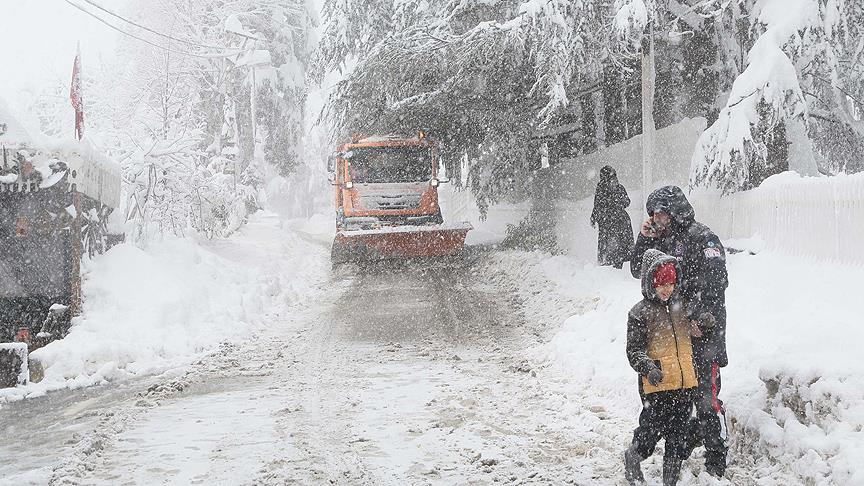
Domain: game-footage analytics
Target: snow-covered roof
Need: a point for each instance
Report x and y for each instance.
(93, 173)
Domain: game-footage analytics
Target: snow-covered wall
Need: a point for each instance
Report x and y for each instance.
(820, 218)
(673, 151)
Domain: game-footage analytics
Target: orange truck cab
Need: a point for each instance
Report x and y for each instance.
(386, 198)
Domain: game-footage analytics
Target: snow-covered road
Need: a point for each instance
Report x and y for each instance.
(397, 376)
(407, 374)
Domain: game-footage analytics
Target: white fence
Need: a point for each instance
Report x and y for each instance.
(815, 217)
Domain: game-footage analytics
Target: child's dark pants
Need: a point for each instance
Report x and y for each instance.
(664, 415)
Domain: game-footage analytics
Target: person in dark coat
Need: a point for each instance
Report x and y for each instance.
(672, 228)
(615, 238)
(660, 350)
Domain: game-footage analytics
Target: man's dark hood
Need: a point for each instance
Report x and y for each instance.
(672, 201)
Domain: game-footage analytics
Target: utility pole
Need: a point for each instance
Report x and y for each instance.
(648, 127)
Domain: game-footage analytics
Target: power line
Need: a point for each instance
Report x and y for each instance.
(168, 49)
(148, 29)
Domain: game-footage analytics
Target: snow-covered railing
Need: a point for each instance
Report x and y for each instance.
(819, 217)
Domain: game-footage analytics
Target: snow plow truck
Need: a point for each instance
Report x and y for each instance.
(54, 207)
(386, 190)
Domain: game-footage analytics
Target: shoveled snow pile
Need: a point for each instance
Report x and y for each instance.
(794, 388)
(153, 309)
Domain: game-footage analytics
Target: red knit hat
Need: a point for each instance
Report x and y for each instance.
(665, 274)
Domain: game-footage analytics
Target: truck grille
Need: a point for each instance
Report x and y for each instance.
(391, 203)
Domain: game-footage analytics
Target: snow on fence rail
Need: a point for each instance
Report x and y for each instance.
(815, 217)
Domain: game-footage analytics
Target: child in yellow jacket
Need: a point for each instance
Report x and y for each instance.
(659, 349)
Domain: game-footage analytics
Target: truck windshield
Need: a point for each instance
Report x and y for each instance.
(391, 164)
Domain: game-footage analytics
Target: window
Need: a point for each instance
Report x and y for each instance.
(391, 164)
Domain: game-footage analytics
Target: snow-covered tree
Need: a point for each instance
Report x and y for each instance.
(222, 97)
(794, 90)
(482, 77)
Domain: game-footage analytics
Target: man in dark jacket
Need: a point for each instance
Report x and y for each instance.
(672, 229)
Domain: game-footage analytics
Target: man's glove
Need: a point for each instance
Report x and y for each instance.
(707, 320)
(655, 376)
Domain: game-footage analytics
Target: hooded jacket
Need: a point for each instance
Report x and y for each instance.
(658, 334)
(615, 232)
(702, 260)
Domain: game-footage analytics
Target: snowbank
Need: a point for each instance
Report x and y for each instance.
(796, 379)
(794, 388)
(153, 309)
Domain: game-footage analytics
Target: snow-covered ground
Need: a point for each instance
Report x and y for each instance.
(158, 308)
(794, 389)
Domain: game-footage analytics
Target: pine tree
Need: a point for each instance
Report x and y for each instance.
(792, 95)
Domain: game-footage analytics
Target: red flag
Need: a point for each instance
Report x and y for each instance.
(76, 97)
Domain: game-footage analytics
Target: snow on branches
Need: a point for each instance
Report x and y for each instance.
(632, 17)
(206, 127)
(790, 36)
(480, 75)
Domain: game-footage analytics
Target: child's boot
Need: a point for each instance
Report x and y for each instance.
(632, 469)
(671, 471)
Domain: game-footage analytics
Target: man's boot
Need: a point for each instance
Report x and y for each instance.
(671, 471)
(632, 469)
(715, 463)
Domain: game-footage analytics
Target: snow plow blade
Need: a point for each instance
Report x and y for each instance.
(13, 365)
(399, 242)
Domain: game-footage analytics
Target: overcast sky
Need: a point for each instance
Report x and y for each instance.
(38, 40)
